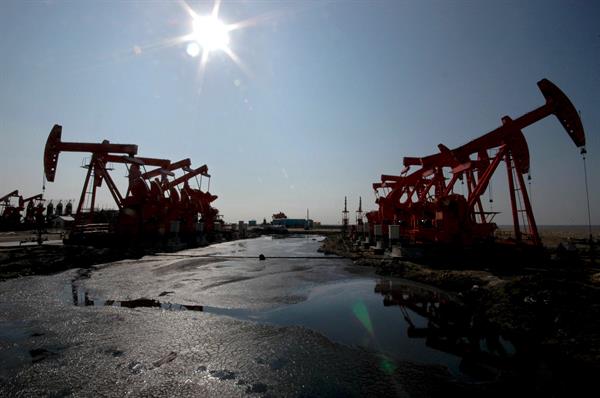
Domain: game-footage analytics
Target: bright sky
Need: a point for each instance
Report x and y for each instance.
(328, 95)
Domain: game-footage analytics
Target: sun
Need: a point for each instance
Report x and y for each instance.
(210, 33)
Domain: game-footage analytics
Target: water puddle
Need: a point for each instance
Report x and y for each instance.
(399, 320)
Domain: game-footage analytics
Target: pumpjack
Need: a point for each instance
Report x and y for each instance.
(10, 216)
(423, 204)
(150, 212)
(13, 204)
(34, 212)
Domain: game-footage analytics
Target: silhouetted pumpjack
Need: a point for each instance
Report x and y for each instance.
(423, 203)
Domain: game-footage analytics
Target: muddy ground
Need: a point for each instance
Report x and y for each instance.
(552, 306)
(49, 259)
(123, 323)
(169, 325)
(20, 255)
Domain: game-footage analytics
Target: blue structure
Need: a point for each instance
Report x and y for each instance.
(293, 222)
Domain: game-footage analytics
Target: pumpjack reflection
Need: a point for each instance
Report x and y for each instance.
(450, 326)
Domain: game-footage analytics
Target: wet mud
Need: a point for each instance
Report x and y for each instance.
(169, 326)
(49, 259)
(550, 310)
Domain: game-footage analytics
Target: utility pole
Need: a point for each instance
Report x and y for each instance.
(359, 212)
(307, 222)
(345, 216)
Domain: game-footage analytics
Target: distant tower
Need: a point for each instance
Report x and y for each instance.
(345, 216)
(359, 212)
(307, 224)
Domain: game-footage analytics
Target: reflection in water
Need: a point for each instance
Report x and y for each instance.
(450, 326)
(430, 327)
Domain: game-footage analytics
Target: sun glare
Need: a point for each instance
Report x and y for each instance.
(210, 33)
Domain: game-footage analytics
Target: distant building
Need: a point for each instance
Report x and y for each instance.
(293, 222)
(62, 222)
(252, 223)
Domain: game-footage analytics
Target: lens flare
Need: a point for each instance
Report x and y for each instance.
(193, 49)
(362, 314)
(387, 365)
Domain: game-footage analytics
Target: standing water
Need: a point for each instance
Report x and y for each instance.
(399, 320)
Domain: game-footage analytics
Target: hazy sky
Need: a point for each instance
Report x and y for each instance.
(330, 96)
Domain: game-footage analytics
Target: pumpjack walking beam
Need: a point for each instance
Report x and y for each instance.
(97, 165)
(13, 194)
(183, 164)
(54, 146)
